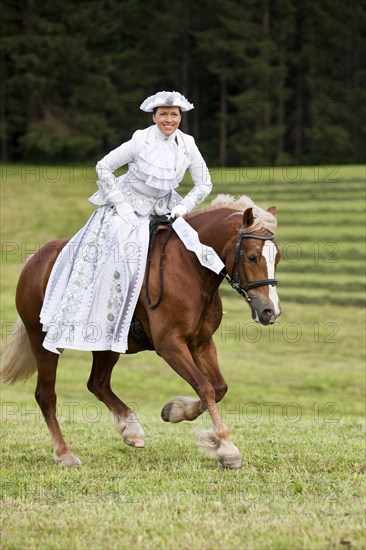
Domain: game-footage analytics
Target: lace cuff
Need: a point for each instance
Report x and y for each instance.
(106, 185)
(196, 196)
(108, 192)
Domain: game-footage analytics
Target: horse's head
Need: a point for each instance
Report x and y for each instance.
(254, 264)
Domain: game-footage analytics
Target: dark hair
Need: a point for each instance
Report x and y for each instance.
(156, 108)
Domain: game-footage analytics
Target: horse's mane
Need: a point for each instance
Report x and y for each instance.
(262, 218)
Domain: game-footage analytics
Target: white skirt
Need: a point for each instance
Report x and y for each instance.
(95, 284)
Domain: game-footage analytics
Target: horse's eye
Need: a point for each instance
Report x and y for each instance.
(252, 259)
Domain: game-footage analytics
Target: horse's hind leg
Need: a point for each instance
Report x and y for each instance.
(100, 385)
(46, 399)
(189, 408)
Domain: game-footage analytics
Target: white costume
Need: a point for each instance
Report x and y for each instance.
(96, 281)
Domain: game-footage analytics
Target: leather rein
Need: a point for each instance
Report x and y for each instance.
(155, 223)
(234, 280)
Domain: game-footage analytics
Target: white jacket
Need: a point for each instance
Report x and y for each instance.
(188, 157)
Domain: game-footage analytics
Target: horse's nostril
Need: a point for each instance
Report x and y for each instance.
(268, 317)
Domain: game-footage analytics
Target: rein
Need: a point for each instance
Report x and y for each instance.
(239, 261)
(153, 228)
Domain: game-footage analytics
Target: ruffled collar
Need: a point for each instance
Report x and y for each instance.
(160, 136)
(157, 160)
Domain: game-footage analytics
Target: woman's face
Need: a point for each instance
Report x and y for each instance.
(167, 119)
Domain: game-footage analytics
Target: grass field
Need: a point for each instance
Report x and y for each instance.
(295, 405)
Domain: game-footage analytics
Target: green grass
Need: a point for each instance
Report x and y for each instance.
(295, 405)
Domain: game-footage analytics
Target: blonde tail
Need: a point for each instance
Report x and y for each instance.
(17, 359)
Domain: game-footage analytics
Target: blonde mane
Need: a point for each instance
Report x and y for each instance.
(262, 218)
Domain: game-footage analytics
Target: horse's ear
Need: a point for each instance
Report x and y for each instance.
(248, 218)
(272, 210)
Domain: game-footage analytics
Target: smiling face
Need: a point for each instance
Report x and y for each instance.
(167, 119)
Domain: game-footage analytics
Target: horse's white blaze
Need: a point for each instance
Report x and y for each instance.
(269, 253)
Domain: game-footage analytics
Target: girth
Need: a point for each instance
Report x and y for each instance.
(137, 333)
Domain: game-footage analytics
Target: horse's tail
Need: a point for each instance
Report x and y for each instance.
(18, 362)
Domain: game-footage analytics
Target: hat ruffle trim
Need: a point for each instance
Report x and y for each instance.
(166, 99)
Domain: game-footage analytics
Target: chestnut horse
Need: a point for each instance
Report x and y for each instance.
(180, 329)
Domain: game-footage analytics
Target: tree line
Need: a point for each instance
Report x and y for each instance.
(274, 82)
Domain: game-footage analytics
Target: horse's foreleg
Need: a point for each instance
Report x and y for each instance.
(217, 441)
(46, 399)
(99, 384)
(188, 408)
(181, 408)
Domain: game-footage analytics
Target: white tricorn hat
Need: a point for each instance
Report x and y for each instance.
(166, 99)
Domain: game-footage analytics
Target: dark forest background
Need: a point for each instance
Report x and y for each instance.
(274, 82)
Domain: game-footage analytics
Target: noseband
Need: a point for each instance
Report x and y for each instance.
(234, 280)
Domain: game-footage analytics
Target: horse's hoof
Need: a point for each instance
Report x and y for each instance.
(181, 408)
(230, 462)
(131, 432)
(166, 411)
(68, 460)
(135, 442)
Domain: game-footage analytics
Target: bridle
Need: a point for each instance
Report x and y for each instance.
(234, 280)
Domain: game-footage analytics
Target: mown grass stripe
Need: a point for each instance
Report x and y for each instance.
(324, 299)
(331, 223)
(320, 287)
(323, 267)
